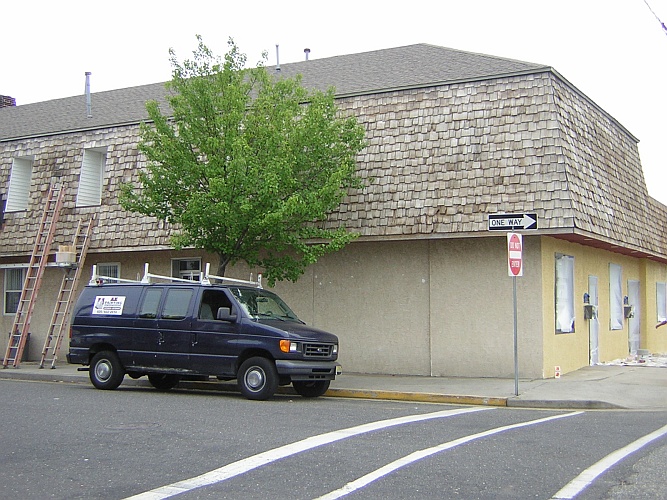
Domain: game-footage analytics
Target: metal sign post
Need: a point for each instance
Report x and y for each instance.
(516, 350)
(514, 222)
(514, 269)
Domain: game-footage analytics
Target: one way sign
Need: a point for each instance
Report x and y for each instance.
(511, 222)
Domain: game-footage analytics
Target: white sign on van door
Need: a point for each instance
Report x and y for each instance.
(108, 304)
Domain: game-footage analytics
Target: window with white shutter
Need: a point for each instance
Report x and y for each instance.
(19, 185)
(90, 182)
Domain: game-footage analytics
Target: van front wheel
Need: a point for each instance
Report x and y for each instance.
(105, 371)
(258, 378)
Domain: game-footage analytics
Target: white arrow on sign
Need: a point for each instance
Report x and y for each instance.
(505, 222)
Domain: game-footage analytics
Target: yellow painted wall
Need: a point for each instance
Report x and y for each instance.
(570, 351)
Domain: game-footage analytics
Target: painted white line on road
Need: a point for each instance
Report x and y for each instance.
(418, 455)
(250, 463)
(583, 480)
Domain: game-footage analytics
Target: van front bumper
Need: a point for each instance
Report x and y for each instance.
(308, 370)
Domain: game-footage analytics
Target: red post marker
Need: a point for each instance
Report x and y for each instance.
(514, 254)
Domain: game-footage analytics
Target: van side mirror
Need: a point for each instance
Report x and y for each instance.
(225, 314)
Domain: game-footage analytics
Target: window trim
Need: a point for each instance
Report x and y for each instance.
(6, 289)
(111, 276)
(191, 274)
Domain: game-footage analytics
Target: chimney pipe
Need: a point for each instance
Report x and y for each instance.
(307, 52)
(89, 111)
(6, 101)
(277, 59)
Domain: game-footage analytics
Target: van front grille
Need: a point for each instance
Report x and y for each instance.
(317, 350)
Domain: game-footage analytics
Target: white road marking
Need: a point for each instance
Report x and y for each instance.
(250, 463)
(418, 455)
(583, 480)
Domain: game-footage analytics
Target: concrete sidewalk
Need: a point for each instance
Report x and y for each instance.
(631, 386)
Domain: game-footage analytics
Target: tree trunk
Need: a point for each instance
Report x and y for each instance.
(224, 260)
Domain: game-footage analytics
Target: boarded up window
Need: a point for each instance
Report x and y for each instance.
(661, 301)
(564, 293)
(615, 297)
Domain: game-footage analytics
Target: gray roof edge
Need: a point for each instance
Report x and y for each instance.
(73, 131)
(541, 69)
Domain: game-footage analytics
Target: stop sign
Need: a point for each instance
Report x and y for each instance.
(514, 254)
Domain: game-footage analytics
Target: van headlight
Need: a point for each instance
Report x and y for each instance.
(289, 346)
(334, 350)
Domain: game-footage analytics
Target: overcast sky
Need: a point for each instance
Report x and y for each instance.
(615, 51)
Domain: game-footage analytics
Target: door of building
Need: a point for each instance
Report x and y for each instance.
(634, 325)
(593, 323)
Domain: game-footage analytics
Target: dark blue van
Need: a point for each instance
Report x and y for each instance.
(168, 331)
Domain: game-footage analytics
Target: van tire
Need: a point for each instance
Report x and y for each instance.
(105, 371)
(311, 389)
(163, 381)
(258, 378)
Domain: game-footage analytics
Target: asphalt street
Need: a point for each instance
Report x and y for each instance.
(69, 440)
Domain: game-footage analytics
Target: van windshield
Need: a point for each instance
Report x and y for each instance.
(261, 304)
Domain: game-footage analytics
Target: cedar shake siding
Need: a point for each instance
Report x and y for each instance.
(440, 157)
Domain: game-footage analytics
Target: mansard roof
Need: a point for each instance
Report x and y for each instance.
(451, 136)
(368, 72)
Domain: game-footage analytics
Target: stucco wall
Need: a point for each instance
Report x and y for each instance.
(439, 307)
(375, 297)
(472, 319)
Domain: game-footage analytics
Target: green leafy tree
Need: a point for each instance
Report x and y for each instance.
(245, 165)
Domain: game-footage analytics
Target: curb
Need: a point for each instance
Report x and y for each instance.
(420, 397)
(53, 376)
(559, 404)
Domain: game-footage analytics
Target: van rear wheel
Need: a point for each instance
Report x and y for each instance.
(258, 378)
(311, 389)
(163, 381)
(106, 371)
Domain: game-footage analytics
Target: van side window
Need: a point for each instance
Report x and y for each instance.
(177, 303)
(150, 303)
(213, 300)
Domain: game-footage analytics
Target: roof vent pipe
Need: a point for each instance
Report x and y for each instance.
(307, 52)
(89, 112)
(277, 59)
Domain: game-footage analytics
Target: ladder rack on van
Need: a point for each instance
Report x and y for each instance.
(99, 279)
(205, 278)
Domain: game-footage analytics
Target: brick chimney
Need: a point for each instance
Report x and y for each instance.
(6, 101)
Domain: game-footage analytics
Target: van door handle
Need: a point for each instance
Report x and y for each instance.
(160, 338)
(193, 341)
